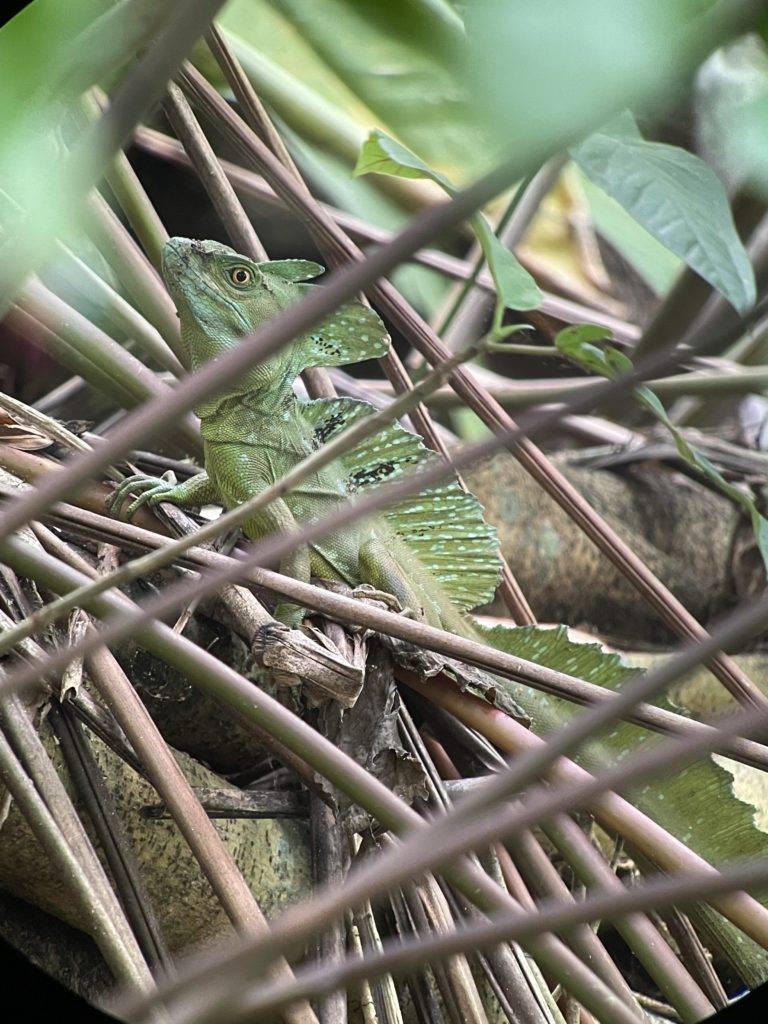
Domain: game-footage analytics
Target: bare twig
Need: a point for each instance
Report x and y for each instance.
(112, 837)
(420, 634)
(87, 881)
(328, 868)
(215, 182)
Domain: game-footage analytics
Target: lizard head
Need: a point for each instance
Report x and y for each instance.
(221, 296)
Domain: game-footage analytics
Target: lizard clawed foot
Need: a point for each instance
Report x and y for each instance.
(365, 592)
(151, 490)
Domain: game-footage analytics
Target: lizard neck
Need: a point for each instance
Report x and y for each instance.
(251, 418)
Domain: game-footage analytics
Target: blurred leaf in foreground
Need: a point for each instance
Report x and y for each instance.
(332, 71)
(49, 55)
(550, 71)
(45, 181)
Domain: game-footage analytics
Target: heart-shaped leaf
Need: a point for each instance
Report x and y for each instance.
(381, 154)
(677, 198)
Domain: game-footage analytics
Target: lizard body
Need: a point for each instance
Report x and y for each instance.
(434, 553)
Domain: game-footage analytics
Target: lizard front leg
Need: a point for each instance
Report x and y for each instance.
(198, 490)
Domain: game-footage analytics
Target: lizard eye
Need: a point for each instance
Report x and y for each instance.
(240, 276)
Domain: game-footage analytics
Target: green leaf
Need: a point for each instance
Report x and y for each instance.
(576, 343)
(677, 198)
(515, 287)
(653, 261)
(381, 154)
(697, 805)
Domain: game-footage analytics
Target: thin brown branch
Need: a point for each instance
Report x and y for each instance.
(692, 951)
(134, 271)
(82, 346)
(237, 803)
(506, 968)
(543, 878)
(253, 109)
(251, 1002)
(587, 946)
(639, 932)
(87, 883)
(204, 160)
(328, 869)
(97, 800)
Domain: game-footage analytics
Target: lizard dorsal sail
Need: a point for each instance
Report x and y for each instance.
(442, 526)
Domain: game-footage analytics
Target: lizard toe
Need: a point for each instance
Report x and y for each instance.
(140, 484)
(152, 496)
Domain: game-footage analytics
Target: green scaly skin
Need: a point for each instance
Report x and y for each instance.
(257, 430)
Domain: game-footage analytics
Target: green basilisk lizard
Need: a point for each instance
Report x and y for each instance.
(433, 552)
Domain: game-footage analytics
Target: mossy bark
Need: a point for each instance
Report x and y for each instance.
(682, 530)
(273, 855)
